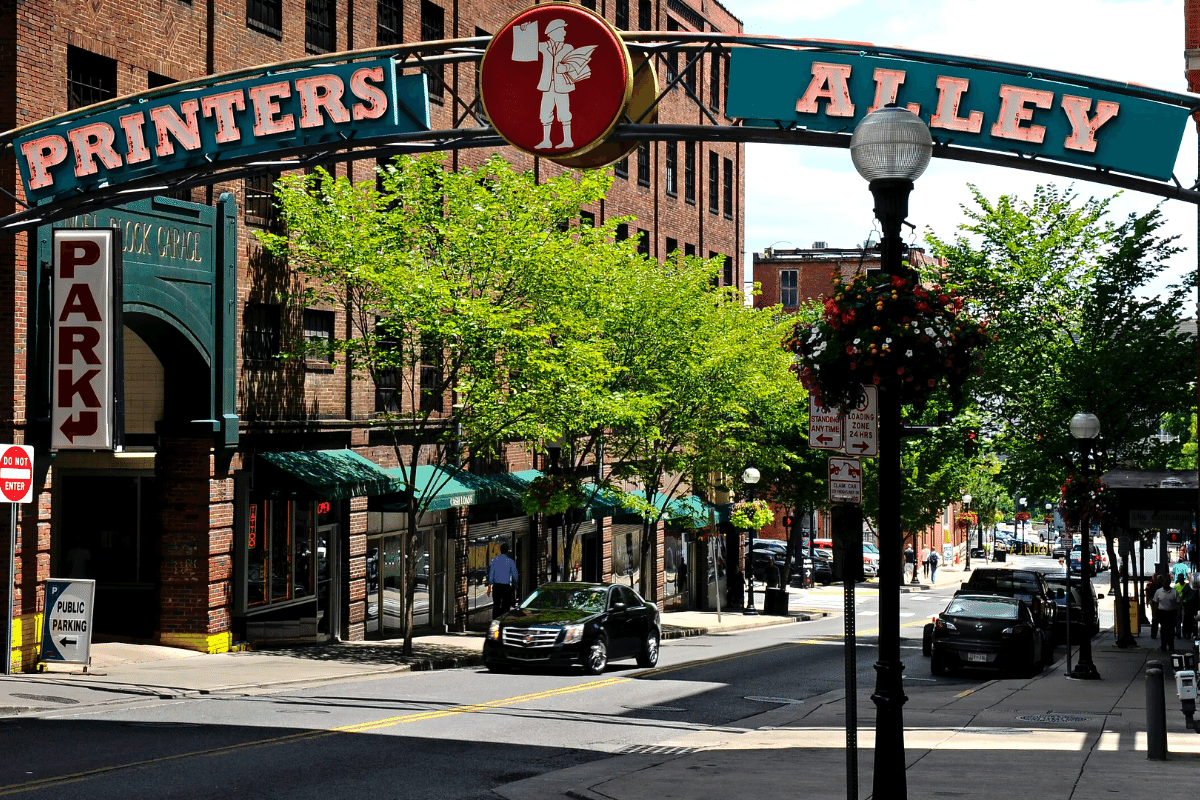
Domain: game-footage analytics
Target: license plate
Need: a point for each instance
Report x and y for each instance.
(977, 657)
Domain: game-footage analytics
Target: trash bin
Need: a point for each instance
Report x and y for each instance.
(776, 602)
(1134, 622)
(1000, 555)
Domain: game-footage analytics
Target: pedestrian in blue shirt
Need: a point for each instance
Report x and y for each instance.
(502, 577)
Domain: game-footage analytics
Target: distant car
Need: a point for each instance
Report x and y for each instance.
(1021, 584)
(1069, 608)
(1076, 560)
(987, 632)
(575, 625)
(760, 559)
(777, 545)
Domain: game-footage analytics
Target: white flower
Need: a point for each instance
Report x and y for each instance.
(856, 341)
(929, 332)
(908, 353)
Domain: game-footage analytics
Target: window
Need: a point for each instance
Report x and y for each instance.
(90, 78)
(318, 334)
(587, 219)
(389, 23)
(622, 232)
(621, 14)
(728, 271)
(643, 163)
(672, 168)
(260, 199)
(265, 16)
(433, 28)
(588, 4)
(645, 21)
(689, 172)
(320, 27)
(280, 552)
(714, 81)
(728, 188)
(714, 181)
(387, 379)
(260, 332)
(672, 246)
(432, 366)
(689, 249)
(621, 168)
(789, 293)
(672, 58)
(643, 242)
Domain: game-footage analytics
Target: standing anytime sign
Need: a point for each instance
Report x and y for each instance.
(824, 426)
(85, 350)
(67, 631)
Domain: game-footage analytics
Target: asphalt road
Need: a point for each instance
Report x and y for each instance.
(444, 734)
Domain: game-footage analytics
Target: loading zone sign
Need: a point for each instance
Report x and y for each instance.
(67, 630)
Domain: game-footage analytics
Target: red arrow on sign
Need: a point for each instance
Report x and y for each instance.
(823, 439)
(861, 446)
(86, 425)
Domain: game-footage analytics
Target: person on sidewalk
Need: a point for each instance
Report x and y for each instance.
(910, 563)
(1153, 586)
(925, 561)
(1167, 601)
(934, 559)
(502, 578)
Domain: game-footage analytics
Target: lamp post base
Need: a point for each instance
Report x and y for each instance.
(1084, 672)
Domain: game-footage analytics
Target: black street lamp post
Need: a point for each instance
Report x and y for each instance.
(891, 148)
(967, 529)
(1085, 427)
(750, 477)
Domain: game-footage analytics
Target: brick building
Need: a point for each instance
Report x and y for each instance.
(250, 498)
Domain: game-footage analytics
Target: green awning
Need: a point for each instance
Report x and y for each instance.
(455, 488)
(325, 474)
(688, 509)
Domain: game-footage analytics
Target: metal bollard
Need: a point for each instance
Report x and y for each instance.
(1156, 713)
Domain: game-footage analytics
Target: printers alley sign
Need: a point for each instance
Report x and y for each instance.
(218, 123)
(971, 107)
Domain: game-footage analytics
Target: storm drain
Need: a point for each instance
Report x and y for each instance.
(656, 750)
(46, 698)
(1053, 718)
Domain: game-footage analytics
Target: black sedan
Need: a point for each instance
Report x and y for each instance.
(1071, 602)
(575, 624)
(987, 632)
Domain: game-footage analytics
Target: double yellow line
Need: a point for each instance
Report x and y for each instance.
(373, 725)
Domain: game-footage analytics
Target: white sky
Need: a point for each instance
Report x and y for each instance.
(798, 195)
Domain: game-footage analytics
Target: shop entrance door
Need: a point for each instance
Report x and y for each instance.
(385, 584)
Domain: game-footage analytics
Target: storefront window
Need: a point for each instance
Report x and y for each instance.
(281, 554)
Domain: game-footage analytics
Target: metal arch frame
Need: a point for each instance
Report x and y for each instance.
(422, 56)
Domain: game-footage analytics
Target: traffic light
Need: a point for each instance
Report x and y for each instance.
(787, 522)
(971, 442)
(1174, 537)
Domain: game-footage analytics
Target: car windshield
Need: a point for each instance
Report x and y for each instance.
(1002, 583)
(983, 607)
(870, 548)
(582, 599)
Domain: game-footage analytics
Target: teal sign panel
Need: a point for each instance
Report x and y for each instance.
(964, 106)
(269, 114)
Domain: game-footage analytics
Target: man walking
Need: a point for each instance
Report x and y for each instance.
(1168, 603)
(502, 578)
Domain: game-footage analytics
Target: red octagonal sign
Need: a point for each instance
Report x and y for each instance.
(555, 80)
(16, 474)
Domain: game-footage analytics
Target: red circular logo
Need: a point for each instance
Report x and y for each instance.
(555, 80)
(16, 474)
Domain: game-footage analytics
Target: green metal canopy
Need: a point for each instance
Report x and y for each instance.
(327, 474)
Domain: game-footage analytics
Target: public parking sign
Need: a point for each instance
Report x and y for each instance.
(16, 473)
(67, 630)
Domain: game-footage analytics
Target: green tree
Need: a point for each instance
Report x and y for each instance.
(452, 284)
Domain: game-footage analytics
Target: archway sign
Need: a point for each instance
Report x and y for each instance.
(559, 82)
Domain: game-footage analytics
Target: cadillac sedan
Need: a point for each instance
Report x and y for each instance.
(987, 632)
(575, 625)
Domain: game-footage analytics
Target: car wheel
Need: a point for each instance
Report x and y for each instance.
(597, 657)
(648, 658)
(498, 668)
(937, 664)
(927, 640)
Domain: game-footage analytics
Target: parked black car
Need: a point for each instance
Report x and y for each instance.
(1069, 607)
(1020, 584)
(575, 624)
(987, 632)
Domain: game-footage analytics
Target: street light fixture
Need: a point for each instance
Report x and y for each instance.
(750, 477)
(1085, 428)
(891, 148)
(1021, 523)
(967, 534)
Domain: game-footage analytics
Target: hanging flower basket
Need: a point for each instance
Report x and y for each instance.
(965, 519)
(552, 494)
(1086, 498)
(752, 514)
(1021, 516)
(887, 330)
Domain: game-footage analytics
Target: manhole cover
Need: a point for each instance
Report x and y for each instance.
(46, 698)
(1053, 718)
(655, 708)
(782, 700)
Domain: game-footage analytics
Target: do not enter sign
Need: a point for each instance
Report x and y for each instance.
(16, 473)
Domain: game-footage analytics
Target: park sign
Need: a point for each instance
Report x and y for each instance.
(968, 106)
(218, 123)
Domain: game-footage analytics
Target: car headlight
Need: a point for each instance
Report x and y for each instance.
(494, 630)
(572, 634)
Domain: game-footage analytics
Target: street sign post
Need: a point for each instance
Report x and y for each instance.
(862, 425)
(825, 426)
(67, 631)
(16, 486)
(845, 480)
